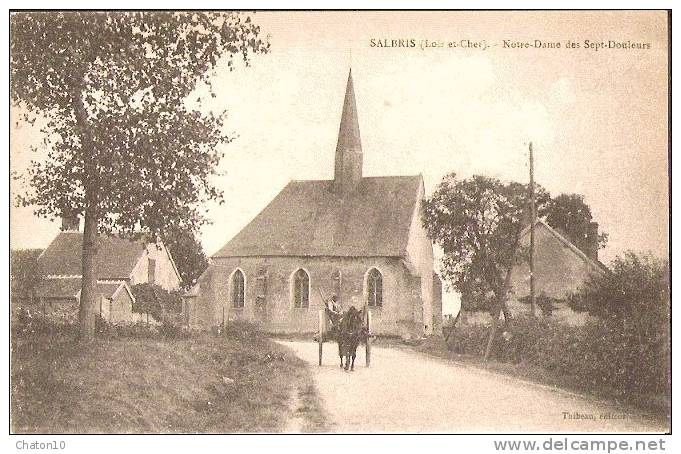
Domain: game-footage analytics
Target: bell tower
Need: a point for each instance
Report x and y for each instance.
(348, 165)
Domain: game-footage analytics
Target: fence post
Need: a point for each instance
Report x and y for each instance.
(368, 343)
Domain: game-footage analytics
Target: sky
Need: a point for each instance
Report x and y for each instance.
(597, 117)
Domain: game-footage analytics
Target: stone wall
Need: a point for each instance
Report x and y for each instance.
(273, 308)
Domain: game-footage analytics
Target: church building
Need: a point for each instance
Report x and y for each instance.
(359, 238)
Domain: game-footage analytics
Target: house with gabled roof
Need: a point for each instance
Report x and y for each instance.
(358, 238)
(119, 264)
(560, 268)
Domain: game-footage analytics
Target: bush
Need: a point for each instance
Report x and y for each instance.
(545, 303)
(637, 287)
(604, 354)
(26, 321)
(172, 326)
(136, 330)
(156, 301)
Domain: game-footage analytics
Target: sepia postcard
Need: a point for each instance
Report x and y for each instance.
(365, 222)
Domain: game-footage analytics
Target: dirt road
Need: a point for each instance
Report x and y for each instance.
(405, 391)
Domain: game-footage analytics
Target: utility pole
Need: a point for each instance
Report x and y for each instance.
(533, 300)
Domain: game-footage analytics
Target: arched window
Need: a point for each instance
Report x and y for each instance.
(374, 288)
(301, 289)
(238, 289)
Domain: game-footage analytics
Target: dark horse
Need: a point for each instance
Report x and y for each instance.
(351, 332)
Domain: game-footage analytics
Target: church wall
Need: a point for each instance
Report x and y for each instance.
(400, 314)
(420, 255)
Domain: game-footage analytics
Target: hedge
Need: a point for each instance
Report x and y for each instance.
(601, 354)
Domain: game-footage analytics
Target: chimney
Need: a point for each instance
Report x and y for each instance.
(592, 241)
(70, 223)
(348, 168)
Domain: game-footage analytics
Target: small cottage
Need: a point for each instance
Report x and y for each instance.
(119, 265)
(560, 268)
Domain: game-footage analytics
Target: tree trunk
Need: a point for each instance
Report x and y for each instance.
(86, 313)
(501, 299)
(502, 309)
(87, 309)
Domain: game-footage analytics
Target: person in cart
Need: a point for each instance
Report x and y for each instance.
(334, 312)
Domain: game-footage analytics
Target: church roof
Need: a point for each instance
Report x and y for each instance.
(308, 218)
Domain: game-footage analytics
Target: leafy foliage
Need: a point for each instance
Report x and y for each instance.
(155, 300)
(571, 215)
(113, 88)
(476, 222)
(599, 356)
(545, 303)
(24, 271)
(188, 255)
(634, 301)
(636, 287)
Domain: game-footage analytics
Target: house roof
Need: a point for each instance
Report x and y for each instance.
(597, 264)
(115, 259)
(307, 218)
(67, 288)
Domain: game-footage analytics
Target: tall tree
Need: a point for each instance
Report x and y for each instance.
(477, 222)
(125, 149)
(188, 255)
(570, 214)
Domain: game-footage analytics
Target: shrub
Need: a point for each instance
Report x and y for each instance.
(173, 326)
(135, 330)
(546, 304)
(156, 301)
(636, 288)
(604, 354)
(26, 321)
(24, 272)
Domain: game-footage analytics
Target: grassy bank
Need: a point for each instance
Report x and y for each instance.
(239, 381)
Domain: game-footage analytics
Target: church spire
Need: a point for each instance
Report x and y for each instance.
(348, 170)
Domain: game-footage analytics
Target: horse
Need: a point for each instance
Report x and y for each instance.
(351, 331)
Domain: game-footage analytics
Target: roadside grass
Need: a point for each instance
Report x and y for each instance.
(657, 407)
(239, 381)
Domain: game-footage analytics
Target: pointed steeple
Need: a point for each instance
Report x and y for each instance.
(348, 169)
